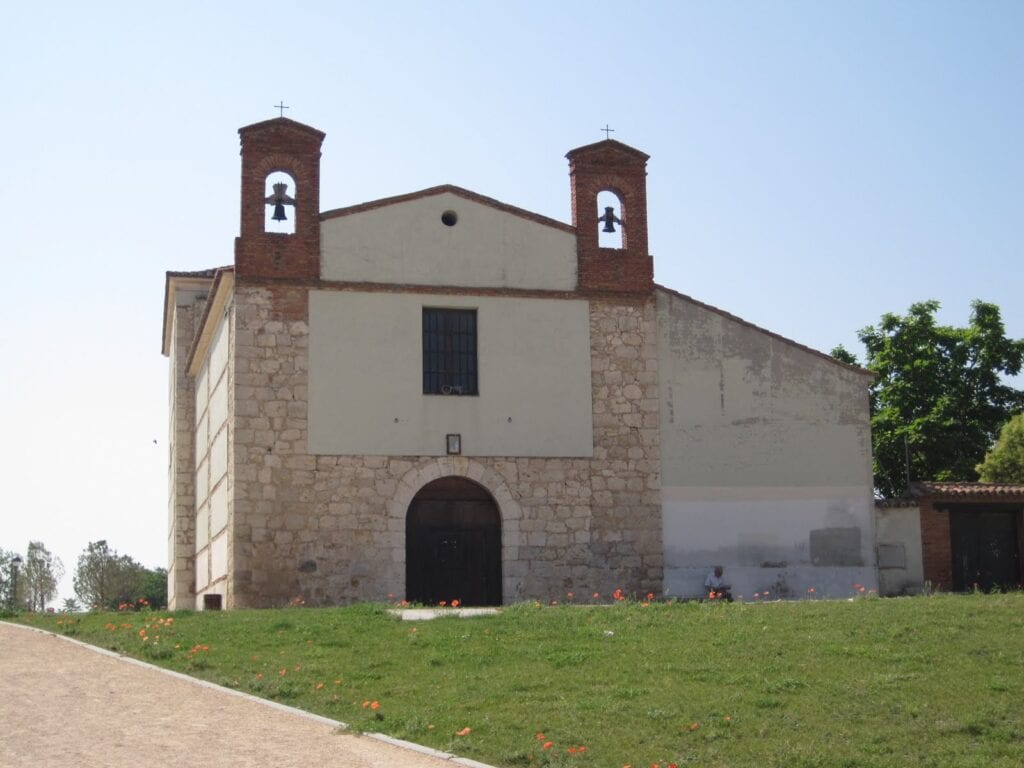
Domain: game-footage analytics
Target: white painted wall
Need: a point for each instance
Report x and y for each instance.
(898, 538)
(766, 460)
(219, 557)
(763, 538)
(212, 385)
(406, 243)
(741, 407)
(366, 377)
(219, 509)
(202, 574)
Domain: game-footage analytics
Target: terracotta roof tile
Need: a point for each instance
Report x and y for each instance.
(964, 491)
(199, 273)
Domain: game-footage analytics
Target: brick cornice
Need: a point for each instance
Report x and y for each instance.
(610, 149)
(195, 281)
(282, 123)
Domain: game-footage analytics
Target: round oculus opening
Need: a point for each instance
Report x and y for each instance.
(448, 218)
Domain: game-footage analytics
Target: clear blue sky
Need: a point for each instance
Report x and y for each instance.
(813, 165)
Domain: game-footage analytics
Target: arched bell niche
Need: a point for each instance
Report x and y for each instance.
(280, 197)
(609, 212)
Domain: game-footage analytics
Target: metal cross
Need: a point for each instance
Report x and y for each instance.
(607, 131)
(281, 107)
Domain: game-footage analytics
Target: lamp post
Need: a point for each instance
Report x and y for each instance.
(15, 562)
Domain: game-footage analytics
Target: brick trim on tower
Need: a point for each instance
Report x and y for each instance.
(293, 148)
(936, 547)
(614, 167)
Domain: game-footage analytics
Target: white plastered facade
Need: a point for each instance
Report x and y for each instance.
(212, 394)
(766, 459)
(366, 385)
(405, 244)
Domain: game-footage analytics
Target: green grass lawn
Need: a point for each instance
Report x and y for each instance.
(929, 681)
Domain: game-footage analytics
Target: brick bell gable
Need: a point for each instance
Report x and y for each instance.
(268, 147)
(611, 166)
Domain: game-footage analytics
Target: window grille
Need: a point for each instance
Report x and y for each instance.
(449, 352)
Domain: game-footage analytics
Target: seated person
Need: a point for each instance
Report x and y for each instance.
(716, 586)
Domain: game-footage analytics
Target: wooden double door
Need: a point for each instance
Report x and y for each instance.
(453, 545)
(986, 546)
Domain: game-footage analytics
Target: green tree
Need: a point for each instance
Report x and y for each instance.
(843, 355)
(154, 587)
(70, 605)
(9, 601)
(1005, 462)
(42, 572)
(104, 579)
(940, 396)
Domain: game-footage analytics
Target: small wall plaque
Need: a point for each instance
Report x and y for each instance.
(453, 444)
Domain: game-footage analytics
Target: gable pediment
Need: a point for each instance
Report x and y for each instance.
(447, 236)
(451, 189)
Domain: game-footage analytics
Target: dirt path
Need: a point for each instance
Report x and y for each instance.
(62, 704)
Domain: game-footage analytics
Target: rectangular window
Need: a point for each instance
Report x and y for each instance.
(449, 351)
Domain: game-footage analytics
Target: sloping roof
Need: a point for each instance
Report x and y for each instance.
(963, 491)
(283, 122)
(741, 321)
(609, 146)
(454, 190)
(174, 280)
(216, 299)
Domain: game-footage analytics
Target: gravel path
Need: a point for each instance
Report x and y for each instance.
(66, 704)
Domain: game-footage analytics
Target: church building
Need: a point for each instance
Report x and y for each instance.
(439, 396)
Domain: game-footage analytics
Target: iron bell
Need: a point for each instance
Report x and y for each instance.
(610, 219)
(279, 200)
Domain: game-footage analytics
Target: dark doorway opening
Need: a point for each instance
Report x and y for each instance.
(453, 545)
(212, 602)
(986, 549)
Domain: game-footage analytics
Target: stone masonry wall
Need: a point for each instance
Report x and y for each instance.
(331, 529)
(181, 469)
(626, 468)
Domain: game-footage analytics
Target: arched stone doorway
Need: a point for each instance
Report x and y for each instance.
(453, 544)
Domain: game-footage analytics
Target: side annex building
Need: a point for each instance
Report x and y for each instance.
(441, 396)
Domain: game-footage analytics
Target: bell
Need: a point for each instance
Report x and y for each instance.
(279, 200)
(609, 219)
